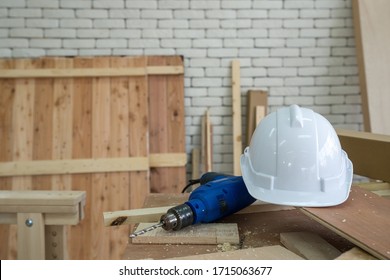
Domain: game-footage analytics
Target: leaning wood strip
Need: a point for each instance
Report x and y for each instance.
(371, 22)
(73, 166)
(255, 98)
(94, 72)
(134, 216)
(363, 219)
(276, 252)
(309, 245)
(236, 108)
(212, 233)
(369, 152)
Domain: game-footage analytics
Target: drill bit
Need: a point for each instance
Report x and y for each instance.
(145, 230)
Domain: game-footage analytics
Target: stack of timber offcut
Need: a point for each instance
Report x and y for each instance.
(110, 126)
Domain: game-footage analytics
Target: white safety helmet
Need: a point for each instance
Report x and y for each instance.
(295, 158)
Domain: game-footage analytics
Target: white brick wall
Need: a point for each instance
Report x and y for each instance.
(301, 51)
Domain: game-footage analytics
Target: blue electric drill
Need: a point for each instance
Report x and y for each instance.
(217, 196)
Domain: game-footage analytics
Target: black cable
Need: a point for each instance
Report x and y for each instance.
(191, 182)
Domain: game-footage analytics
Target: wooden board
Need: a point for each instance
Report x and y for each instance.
(166, 124)
(87, 114)
(363, 219)
(96, 72)
(207, 144)
(355, 254)
(236, 114)
(275, 252)
(309, 245)
(372, 34)
(255, 98)
(369, 152)
(134, 216)
(212, 233)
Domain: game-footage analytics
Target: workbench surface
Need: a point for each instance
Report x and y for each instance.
(255, 230)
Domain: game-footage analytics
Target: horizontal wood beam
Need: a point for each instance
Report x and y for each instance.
(167, 160)
(90, 72)
(72, 166)
(369, 153)
(77, 166)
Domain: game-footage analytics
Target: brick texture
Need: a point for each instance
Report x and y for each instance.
(300, 51)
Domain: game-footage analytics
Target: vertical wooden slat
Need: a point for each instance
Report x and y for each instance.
(158, 130)
(43, 123)
(138, 133)
(100, 146)
(236, 108)
(23, 113)
(7, 96)
(22, 123)
(166, 111)
(175, 123)
(80, 235)
(119, 134)
(62, 123)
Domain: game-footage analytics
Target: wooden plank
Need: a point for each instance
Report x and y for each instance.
(369, 152)
(87, 165)
(96, 72)
(139, 133)
(119, 136)
(175, 123)
(254, 98)
(167, 160)
(43, 122)
(212, 233)
(236, 112)
(275, 252)
(22, 133)
(79, 236)
(7, 96)
(363, 219)
(372, 34)
(260, 114)
(158, 127)
(62, 123)
(195, 163)
(31, 239)
(134, 216)
(355, 254)
(55, 243)
(74, 166)
(34, 198)
(101, 100)
(207, 147)
(309, 245)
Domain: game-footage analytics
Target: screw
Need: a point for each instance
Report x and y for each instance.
(29, 222)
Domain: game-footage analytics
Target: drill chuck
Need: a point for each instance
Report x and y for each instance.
(177, 217)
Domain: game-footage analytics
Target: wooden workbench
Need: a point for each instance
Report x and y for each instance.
(255, 229)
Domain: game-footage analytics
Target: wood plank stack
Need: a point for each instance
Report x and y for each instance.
(111, 120)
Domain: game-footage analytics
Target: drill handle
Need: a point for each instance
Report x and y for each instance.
(211, 176)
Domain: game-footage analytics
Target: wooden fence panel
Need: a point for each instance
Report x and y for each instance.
(90, 117)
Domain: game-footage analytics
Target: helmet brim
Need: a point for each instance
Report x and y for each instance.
(332, 197)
